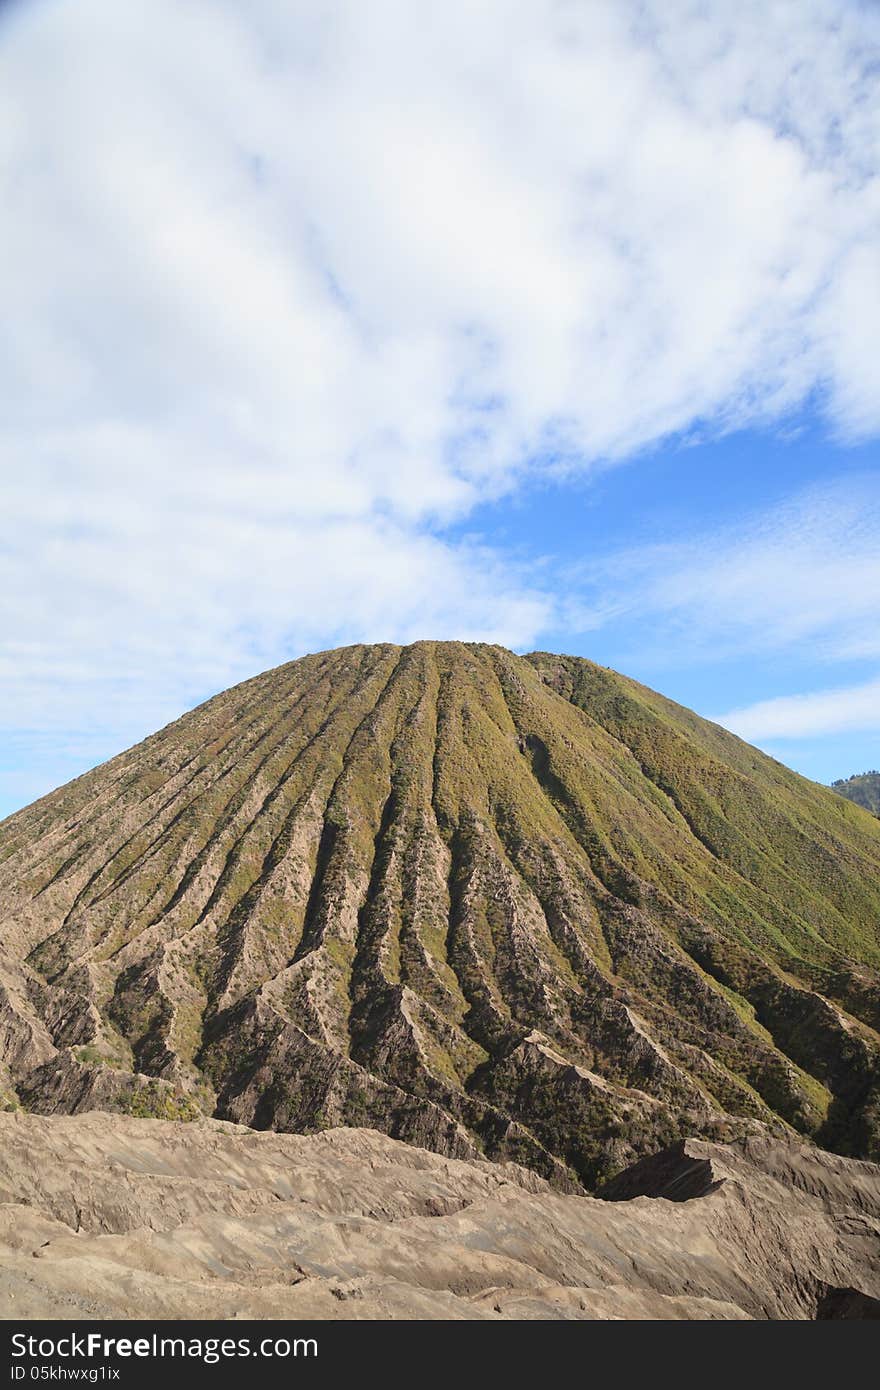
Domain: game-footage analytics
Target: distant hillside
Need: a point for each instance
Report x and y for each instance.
(863, 789)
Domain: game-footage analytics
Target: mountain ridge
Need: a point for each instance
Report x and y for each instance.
(520, 907)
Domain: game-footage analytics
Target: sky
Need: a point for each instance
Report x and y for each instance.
(551, 323)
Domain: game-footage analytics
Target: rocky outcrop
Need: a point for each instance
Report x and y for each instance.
(519, 908)
(104, 1216)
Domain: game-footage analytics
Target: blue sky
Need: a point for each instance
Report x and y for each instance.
(546, 323)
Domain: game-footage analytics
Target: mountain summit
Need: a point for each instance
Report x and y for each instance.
(519, 907)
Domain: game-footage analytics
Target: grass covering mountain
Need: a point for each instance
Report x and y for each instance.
(863, 788)
(513, 906)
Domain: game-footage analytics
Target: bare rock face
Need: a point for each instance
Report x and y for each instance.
(105, 1216)
(517, 908)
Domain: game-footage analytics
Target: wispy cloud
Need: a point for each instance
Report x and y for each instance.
(852, 708)
(287, 287)
(801, 582)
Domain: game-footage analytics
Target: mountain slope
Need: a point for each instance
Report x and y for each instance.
(489, 904)
(863, 788)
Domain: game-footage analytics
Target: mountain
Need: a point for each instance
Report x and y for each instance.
(520, 908)
(863, 788)
(109, 1217)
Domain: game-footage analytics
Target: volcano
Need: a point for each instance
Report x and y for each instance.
(497, 906)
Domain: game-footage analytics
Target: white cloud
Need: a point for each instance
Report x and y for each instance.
(287, 286)
(849, 709)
